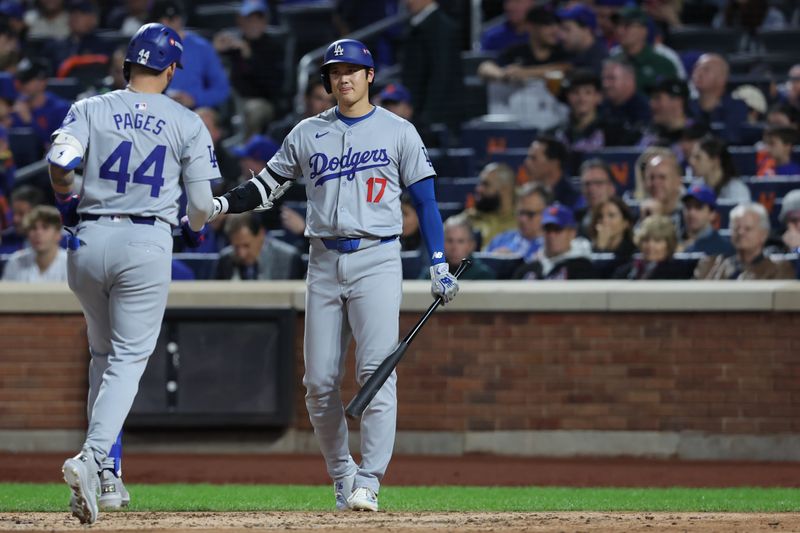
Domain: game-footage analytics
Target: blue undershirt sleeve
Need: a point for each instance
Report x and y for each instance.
(430, 220)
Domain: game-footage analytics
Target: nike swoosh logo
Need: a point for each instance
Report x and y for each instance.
(322, 134)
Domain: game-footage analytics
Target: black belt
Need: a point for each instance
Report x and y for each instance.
(346, 246)
(150, 221)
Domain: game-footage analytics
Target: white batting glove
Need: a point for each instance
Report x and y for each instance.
(443, 283)
(218, 207)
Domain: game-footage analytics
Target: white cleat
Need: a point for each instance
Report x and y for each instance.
(83, 482)
(363, 499)
(113, 494)
(342, 488)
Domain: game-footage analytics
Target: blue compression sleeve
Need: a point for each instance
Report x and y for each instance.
(430, 220)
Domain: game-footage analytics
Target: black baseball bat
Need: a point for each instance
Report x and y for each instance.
(365, 395)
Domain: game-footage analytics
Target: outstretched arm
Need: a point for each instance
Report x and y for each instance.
(260, 192)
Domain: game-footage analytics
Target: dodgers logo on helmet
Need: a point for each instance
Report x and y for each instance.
(348, 51)
(338, 50)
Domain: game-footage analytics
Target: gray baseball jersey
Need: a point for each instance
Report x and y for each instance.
(353, 173)
(353, 177)
(137, 147)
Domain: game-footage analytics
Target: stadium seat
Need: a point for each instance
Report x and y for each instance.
(214, 17)
(202, 264)
(780, 40)
(719, 40)
(771, 188)
(470, 60)
(453, 161)
(502, 265)
(310, 25)
(454, 189)
(448, 209)
(412, 264)
(66, 88)
(490, 138)
(744, 159)
(474, 99)
(25, 146)
(513, 157)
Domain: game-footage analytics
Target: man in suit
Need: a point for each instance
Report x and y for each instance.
(252, 255)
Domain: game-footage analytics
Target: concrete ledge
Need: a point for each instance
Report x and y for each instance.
(644, 444)
(480, 296)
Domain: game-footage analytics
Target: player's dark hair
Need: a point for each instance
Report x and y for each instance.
(554, 149)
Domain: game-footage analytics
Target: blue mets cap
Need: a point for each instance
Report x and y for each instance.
(395, 92)
(702, 193)
(579, 14)
(558, 215)
(259, 147)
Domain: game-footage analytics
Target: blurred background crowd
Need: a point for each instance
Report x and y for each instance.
(590, 139)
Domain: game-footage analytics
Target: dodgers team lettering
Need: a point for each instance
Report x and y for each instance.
(325, 168)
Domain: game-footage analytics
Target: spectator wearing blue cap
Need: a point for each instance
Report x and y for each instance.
(650, 65)
(254, 154)
(512, 31)
(578, 30)
(254, 57)
(563, 256)
(202, 82)
(396, 98)
(699, 212)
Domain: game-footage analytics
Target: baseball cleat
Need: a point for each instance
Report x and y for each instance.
(83, 482)
(342, 489)
(363, 499)
(113, 494)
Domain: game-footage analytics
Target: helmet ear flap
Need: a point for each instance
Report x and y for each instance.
(326, 81)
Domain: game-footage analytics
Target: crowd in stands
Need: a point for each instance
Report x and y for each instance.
(575, 139)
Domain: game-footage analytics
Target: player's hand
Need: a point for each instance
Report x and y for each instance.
(67, 205)
(191, 238)
(443, 283)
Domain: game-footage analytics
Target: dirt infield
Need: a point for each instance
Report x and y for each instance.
(476, 470)
(402, 522)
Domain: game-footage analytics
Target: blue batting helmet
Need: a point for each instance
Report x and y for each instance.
(154, 46)
(345, 51)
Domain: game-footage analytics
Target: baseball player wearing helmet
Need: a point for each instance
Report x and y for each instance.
(135, 145)
(355, 158)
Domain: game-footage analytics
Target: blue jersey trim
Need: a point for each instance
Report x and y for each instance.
(430, 220)
(350, 121)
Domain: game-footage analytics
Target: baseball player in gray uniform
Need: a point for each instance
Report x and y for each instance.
(135, 144)
(354, 157)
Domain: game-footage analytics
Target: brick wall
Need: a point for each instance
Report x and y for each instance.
(723, 373)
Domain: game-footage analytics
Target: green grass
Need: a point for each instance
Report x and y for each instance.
(23, 497)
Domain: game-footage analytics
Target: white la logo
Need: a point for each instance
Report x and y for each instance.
(338, 50)
(144, 56)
